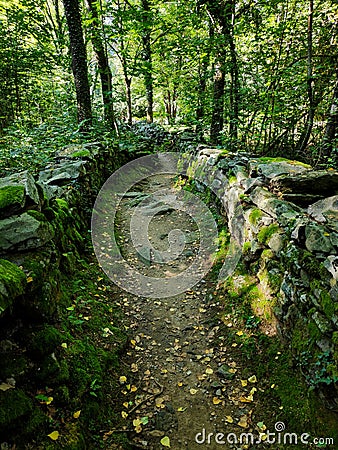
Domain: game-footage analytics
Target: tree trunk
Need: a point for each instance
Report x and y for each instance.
(147, 59)
(305, 136)
(103, 64)
(217, 119)
(79, 63)
(234, 92)
(127, 81)
(331, 130)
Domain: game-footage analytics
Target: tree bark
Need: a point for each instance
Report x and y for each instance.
(305, 136)
(217, 119)
(103, 64)
(331, 130)
(79, 63)
(147, 59)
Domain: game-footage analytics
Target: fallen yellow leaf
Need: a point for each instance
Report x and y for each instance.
(239, 333)
(29, 279)
(133, 388)
(165, 441)
(253, 379)
(64, 345)
(179, 384)
(247, 399)
(126, 405)
(229, 419)
(244, 383)
(216, 401)
(193, 391)
(76, 415)
(243, 422)
(54, 435)
(123, 379)
(181, 409)
(124, 414)
(209, 370)
(49, 401)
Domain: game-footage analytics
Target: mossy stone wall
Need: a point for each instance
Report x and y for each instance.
(44, 226)
(290, 246)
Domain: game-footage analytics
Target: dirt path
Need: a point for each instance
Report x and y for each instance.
(198, 373)
(183, 378)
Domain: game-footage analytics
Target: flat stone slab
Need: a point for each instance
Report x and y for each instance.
(24, 232)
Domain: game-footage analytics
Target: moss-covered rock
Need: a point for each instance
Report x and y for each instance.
(44, 341)
(12, 199)
(266, 232)
(12, 283)
(24, 232)
(14, 406)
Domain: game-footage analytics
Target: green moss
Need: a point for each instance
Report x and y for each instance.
(267, 232)
(86, 365)
(12, 365)
(37, 215)
(312, 266)
(12, 196)
(328, 305)
(45, 341)
(81, 154)
(246, 247)
(14, 405)
(313, 331)
(267, 160)
(12, 283)
(255, 215)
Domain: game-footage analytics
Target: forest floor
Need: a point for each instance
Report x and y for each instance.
(199, 370)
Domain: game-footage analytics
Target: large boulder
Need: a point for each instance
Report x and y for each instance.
(316, 182)
(325, 211)
(63, 173)
(26, 231)
(17, 193)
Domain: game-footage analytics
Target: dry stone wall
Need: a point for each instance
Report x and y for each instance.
(284, 218)
(43, 222)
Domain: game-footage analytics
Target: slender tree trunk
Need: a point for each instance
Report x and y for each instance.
(103, 64)
(217, 119)
(147, 59)
(127, 81)
(202, 84)
(234, 74)
(305, 136)
(331, 130)
(79, 63)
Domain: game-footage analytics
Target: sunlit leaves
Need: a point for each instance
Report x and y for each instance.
(54, 436)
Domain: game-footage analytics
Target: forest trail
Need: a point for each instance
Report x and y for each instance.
(183, 379)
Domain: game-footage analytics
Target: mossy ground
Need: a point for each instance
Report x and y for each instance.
(78, 361)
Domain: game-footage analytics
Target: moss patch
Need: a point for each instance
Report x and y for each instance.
(12, 196)
(267, 160)
(267, 232)
(255, 215)
(12, 283)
